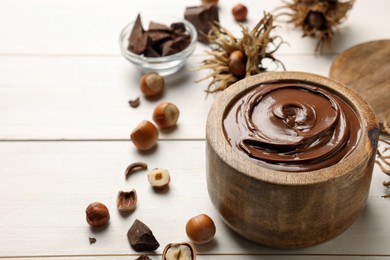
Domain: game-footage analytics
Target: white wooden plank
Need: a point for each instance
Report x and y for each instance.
(92, 27)
(46, 186)
(87, 97)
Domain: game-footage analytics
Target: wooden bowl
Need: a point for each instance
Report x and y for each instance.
(287, 209)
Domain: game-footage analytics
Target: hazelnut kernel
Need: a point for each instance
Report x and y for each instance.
(159, 178)
(152, 84)
(145, 135)
(165, 115)
(97, 214)
(200, 229)
(240, 12)
(179, 251)
(237, 63)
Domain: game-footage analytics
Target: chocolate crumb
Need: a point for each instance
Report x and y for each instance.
(134, 102)
(92, 240)
(141, 237)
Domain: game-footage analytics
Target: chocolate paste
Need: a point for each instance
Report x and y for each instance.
(291, 126)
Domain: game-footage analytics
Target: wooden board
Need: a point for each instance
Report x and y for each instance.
(366, 68)
(46, 186)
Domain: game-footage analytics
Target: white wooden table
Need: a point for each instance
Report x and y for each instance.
(65, 124)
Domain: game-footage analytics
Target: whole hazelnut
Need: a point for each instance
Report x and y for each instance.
(97, 214)
(240, 12)
(200, 229)
(165, 115)
(145, 135)
(152, 84)
(237, 63)
(159, 178)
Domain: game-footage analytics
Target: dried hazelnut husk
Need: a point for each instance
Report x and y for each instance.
(159, 178)
(97, 214)
(317, 18)
(166, 114)
(179, 251)
(200, 229)
(145, 135)
(152, 84)
(126, 201)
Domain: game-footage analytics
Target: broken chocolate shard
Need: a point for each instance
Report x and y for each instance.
(178, 28)
(92, 240)
(141, 237)
(174, 46)
(202, 17)
(153, 26)
(157, 36)
(159, 40)
(137, 39)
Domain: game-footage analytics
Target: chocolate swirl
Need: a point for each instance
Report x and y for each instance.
(292, 126)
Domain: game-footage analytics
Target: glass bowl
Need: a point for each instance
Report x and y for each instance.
(163, 65)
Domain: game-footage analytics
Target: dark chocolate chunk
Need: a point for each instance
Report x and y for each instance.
(202, 17)
(153, 26)
(137, 39)
(141, 237)
(157, 36)
(159, 40)
(178, 28)
(174, 46)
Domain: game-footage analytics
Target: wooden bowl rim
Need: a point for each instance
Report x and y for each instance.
(215, 135)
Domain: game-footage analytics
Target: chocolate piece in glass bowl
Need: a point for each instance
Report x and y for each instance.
(202, 17)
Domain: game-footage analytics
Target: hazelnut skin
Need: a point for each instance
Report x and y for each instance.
(97, 214)
(166, 114)
(240, 12)
(200, 229)
(145, 135)
(152, 84)
(237, 63)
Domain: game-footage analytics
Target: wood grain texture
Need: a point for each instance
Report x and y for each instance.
(366, 68)
(87, 97)
(93, 27)
(46, 187)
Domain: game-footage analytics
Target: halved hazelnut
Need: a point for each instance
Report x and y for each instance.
(159, 178)
(145, 135)
(179, 251)
(126, 200)
(152, 84)
(165, 115)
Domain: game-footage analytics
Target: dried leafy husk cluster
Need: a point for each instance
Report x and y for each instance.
(317, 18)
(383, 161)
(253, 48)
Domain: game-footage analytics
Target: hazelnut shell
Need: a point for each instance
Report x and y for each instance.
(152, 84)
(200, 229)
(145, 135)
(166, 114)
(97, 214)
